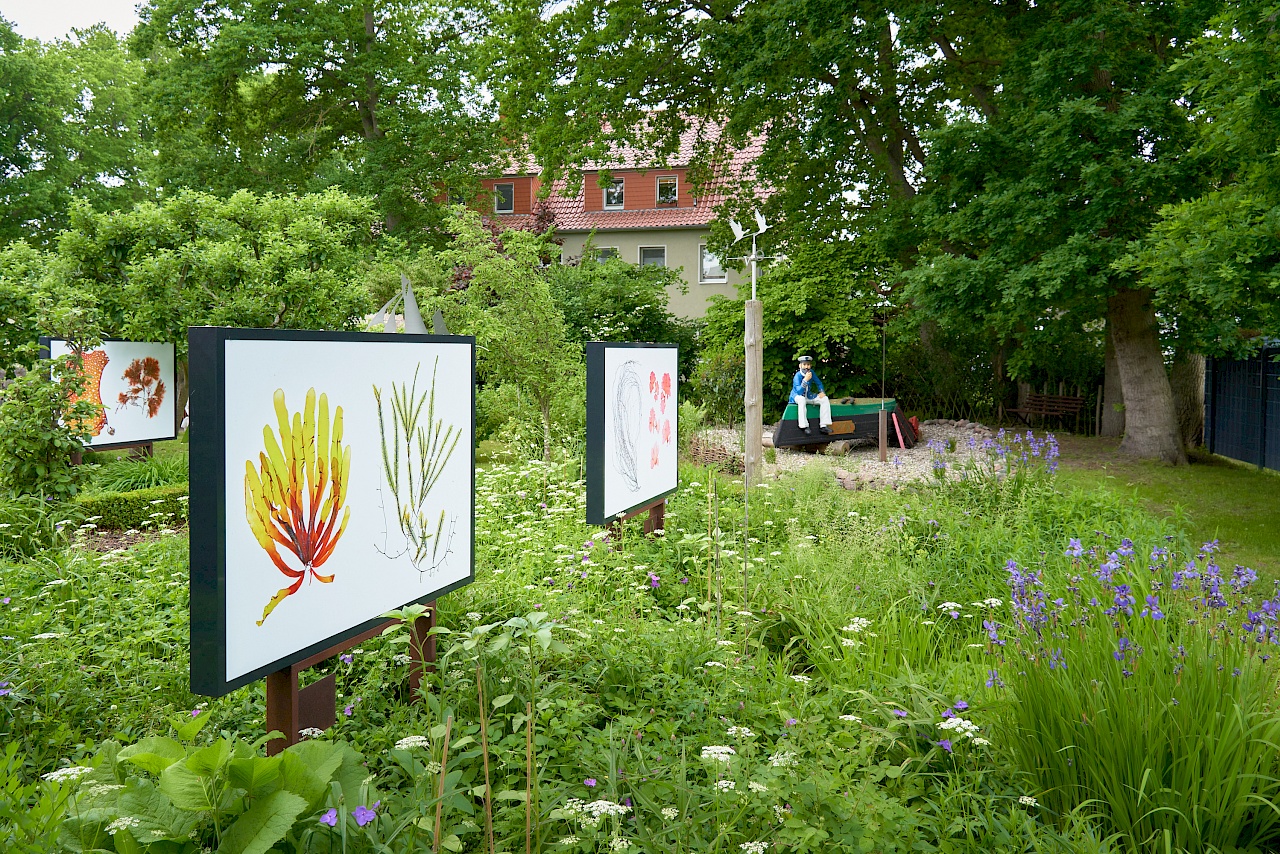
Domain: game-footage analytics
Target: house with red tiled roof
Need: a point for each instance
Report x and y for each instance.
(646, 212)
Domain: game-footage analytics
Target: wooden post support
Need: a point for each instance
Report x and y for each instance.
(291, 709)
(884, 435)
(657, 513)
(753, 403)
(652, 524)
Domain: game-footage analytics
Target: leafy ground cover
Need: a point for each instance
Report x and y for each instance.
(855, 672)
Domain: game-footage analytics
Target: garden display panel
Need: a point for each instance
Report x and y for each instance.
(631, 427)
(332, 481)
(131, 383)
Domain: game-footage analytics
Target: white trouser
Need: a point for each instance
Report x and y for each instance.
(824, 411)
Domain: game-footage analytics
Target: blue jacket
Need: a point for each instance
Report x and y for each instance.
(808, 388)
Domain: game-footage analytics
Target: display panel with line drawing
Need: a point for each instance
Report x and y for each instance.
(631, 426)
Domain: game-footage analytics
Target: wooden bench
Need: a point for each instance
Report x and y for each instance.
(1049, 406)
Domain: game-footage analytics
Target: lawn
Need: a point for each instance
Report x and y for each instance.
(1213, 498)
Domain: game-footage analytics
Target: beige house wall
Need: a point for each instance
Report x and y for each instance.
(682, 254)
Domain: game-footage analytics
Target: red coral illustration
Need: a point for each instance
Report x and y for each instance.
(659, 427)
(145, 388)
(94, 363)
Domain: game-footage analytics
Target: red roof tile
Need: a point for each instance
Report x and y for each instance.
(570, 209)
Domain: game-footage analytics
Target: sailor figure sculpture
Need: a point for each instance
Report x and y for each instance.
(806, 388)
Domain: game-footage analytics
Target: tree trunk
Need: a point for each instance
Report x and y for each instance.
(181, 394)
(1112, 393)
(1151, 428)
(1187, 382)
(545, 406)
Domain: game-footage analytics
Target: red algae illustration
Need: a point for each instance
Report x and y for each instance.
(144, 388)
(294, 499)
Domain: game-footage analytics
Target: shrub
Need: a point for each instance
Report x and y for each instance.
(126, 475)
(719, 384)
(139, 509)
(40, 429)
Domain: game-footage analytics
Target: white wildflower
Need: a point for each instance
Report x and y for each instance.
(759, 788)
(848, 642)
(122, 823)
(783, 759)
(853, 719)
(741, 732)
(718, 752)
(72, 773)
(474, 616)
(801, 678)
(401, 658)
(411, 741)
(754, 847)
(670, 813)
(960, 726)
(714, 664)
(311, 732)
(726, 785)
(857, 624)
(979, 740)
(568, 840)
(1028, 801)
(47, 636)
(617, 843)
(950, 606)
(725, 643)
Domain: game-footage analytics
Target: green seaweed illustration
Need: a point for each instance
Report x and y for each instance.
(414, 456)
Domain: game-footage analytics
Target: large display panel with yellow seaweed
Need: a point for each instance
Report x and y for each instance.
(131, 383)
(332, 481)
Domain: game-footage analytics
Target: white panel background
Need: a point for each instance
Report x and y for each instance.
(366, 583)
(618, 494)
(130, 423)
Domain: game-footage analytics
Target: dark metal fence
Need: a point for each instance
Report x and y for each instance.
(1242, 408)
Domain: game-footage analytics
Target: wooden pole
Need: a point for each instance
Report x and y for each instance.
(884, 436)
(753, 340)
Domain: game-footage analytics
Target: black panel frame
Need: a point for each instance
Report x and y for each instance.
(208, 509)
(595, 468)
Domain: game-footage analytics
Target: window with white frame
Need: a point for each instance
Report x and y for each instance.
(709, 269)
(668, 190)
(653, 256)
(504, 198)
(613, 195)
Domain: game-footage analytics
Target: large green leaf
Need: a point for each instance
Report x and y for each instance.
(157, 817)
(256, 775)
(208, 761)
(187, 789)
(263, 824)
(153, 754)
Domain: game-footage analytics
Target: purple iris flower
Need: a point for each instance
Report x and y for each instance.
(900, 713)
(945, 744)
(960, 705)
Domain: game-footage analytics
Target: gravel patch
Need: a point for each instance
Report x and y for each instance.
(857, 464)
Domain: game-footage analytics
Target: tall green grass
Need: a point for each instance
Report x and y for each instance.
(127, 475)
(1141, 701)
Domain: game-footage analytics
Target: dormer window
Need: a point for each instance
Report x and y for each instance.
(668, 190)
(504, 198)
(613, 195)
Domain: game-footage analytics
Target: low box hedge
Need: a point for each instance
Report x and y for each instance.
(138, 510)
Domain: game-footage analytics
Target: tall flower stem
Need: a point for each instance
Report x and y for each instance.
(484, 746)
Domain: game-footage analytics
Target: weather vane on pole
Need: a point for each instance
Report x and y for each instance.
(753, 342)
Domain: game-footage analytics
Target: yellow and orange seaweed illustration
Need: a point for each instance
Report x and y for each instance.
(295, 497)
(94, 362)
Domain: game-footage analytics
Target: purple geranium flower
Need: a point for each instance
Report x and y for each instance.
(654, 580)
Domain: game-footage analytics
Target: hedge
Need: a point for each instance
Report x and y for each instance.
(136, 510)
